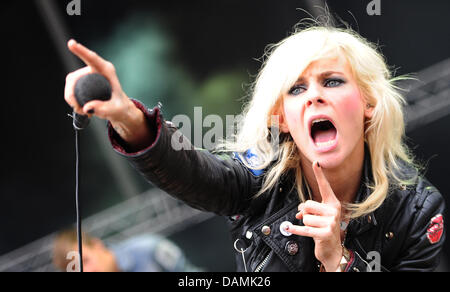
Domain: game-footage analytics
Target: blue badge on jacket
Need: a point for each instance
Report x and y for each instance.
(252, 160)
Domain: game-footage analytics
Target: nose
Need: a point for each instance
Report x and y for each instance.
(314, 96)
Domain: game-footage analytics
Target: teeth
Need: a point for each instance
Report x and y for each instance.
(319, 120)
(325, 144)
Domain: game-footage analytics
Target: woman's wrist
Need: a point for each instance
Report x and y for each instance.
(334, 265)
(132, 127)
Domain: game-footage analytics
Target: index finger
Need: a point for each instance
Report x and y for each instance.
(89, 57)
(325, 189)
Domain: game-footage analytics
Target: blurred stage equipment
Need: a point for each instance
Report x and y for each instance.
(429, 98)
(151, 212)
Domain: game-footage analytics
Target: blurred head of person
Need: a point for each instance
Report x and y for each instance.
(96, 256)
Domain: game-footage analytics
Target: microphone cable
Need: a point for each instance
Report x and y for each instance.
(77, 198)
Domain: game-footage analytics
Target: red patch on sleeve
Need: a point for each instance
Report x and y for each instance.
(435, 229)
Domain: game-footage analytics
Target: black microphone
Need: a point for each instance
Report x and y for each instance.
(90, 87)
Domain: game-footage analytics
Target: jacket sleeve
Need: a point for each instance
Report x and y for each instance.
(214, 183)
(422, 248)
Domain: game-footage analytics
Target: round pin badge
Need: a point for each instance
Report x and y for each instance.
(285, 225)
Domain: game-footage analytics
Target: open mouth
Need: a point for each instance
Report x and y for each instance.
(323, 133)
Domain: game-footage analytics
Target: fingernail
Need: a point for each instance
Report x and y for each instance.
(91, 111)
(318, 164)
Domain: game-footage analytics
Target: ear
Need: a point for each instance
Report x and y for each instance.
(368, 110)
(278, 112)
(283, 125)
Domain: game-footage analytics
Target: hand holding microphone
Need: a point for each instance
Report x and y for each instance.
(100, 93)
(111, 109)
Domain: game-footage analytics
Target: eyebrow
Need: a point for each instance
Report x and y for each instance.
(322, 75)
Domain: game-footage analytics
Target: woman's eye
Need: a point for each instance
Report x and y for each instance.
(296, 90)
(333, 82)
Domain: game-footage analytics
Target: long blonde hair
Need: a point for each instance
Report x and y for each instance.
(384, 132)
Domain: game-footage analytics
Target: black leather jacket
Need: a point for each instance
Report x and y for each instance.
(405, 234)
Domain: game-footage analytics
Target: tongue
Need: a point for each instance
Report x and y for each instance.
(322, 136)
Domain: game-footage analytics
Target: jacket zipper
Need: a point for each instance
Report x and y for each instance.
(263, 263)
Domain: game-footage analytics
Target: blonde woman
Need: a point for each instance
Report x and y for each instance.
(337, 191)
